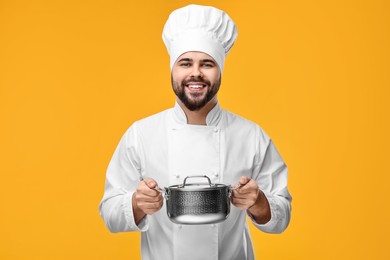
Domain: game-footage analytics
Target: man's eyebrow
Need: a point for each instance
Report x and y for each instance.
(208, 60)
(185, 59)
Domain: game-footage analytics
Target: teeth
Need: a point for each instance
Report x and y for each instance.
(196, 86)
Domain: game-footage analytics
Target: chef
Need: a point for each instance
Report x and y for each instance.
(195, 137)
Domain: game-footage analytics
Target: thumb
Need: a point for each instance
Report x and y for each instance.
(150, 183)
(244, 180)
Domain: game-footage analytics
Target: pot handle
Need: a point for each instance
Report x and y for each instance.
(164, 191)
(197, 176)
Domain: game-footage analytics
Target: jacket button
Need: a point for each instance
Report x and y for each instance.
(177, 175)
(216, 130)
(215, 174)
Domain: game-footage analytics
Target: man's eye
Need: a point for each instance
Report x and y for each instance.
(185, 64)
(208, 65)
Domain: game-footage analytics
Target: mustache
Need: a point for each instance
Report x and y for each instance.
(197, 80)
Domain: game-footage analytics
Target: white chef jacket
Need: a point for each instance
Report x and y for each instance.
(164, 147)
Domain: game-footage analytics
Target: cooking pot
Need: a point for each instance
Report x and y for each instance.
(197, 203)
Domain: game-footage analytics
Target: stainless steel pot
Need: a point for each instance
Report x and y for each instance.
(197, 203)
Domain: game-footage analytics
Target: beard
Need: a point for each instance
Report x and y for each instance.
(195, 101)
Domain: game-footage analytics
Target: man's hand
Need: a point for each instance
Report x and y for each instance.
(249, 197)
(246, 194)
(146, 200)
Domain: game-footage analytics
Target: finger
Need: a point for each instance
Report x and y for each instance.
(150, 206)
(240, 198)
(237, 194)
(145, 198)
(250, 187)
(147, 191)
(242, 191)
(246, 196)
(150, 211)
(242, 203)
(248, 200)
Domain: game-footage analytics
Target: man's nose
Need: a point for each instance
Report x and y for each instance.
(196, 71)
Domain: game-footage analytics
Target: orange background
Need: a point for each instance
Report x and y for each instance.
(75, 74)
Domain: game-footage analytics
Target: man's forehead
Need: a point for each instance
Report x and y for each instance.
(195, 55)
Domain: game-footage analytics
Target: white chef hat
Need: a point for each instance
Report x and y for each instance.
(199, 28)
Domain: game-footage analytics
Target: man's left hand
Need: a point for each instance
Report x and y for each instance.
(245, 196)
(249, 197)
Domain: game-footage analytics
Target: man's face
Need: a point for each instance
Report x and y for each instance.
(195, 79)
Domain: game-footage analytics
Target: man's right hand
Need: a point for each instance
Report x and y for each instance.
(146, 200)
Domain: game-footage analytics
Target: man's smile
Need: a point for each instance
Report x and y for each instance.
(195, 87)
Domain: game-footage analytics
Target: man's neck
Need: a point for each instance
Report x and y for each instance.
(198, 117)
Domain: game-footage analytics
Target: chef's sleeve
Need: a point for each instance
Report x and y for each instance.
(270, 173)
(122, 179)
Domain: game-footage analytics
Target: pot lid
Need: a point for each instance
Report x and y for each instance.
(197, 186)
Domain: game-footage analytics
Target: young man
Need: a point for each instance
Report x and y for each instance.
(196, 137)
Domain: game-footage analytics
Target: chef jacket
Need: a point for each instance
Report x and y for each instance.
(164, 147)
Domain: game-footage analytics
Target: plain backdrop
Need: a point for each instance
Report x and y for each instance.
(74, 75)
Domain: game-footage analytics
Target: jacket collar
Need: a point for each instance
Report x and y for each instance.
(212, 119)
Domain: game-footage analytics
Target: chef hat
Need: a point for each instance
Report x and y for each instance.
(199, 28)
